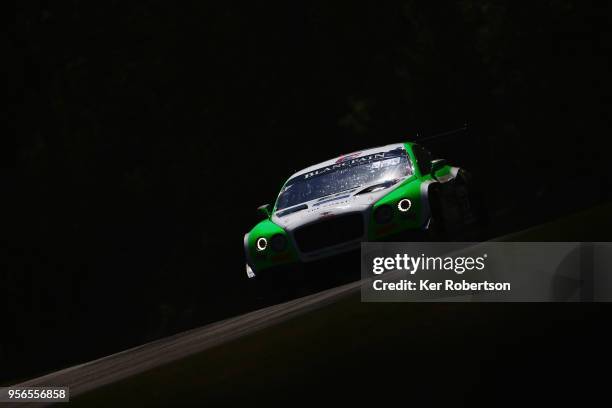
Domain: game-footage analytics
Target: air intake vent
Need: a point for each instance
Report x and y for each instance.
(329, 232)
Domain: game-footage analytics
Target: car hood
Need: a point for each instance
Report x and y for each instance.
(332, 205)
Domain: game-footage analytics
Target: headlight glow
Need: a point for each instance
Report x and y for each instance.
(261, 244)
(404, 205)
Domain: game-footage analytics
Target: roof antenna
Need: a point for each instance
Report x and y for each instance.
(463, 128)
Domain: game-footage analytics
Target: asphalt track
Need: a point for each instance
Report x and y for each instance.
(88, 376)
(115, 367)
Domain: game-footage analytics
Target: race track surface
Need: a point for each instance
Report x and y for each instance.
(106, 370)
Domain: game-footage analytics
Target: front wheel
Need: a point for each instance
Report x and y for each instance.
(439, 223)
(456, 209)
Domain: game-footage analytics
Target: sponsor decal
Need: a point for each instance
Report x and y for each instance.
(349, 161)
(348, 157)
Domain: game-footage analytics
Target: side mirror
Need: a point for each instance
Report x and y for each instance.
(437, 165)
(266, 209)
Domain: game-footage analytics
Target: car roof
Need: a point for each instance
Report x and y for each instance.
(358, 153)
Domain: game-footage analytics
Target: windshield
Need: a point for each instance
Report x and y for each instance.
(345, 175)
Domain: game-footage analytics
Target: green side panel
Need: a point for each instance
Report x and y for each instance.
(442, 172)
(267, 258)
(412, 219)
(411, 189)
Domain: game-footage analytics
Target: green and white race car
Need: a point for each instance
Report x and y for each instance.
(394, 192)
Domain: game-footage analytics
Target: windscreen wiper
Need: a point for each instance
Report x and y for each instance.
(378, 187)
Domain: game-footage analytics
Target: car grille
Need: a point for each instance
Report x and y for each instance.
(329, 232)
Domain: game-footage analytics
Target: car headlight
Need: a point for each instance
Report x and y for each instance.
(404, 205)
(261, 244)
(383, 214)
(278, 242)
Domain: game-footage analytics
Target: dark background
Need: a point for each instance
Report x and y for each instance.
(148, 133)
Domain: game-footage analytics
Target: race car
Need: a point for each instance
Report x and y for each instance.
(389, 193)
